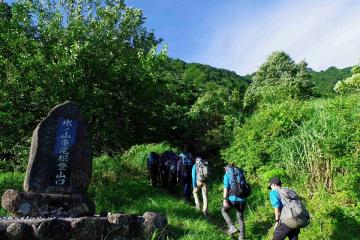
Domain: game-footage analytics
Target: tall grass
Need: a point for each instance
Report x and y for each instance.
(314, 147)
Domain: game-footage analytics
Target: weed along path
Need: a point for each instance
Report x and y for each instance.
(119, 187)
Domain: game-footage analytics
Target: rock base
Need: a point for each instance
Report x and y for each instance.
(45, 205)
(112, 227)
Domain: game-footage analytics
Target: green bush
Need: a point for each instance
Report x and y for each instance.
(10, 180)
(314, 147)
(136, 156)
(114, 180)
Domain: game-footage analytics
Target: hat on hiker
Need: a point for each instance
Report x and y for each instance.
(275, 181)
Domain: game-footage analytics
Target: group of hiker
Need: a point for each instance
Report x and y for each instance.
(172, 169)
(290, 214)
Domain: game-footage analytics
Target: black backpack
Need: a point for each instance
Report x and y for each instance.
(171, 163)
(238, 185)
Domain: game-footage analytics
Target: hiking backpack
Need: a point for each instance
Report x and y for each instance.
(171, 163)
(202, 171)
(238, 185)
(152, 160)
(185, 165)
(294, 213)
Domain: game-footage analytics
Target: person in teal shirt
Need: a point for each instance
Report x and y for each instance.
(199, 185)
(281, 230)
(232, 201)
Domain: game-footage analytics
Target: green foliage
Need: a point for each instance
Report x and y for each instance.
(324, 81)
(314, 147)
(98, 54)
(101, 56)
(278, 79)
(204, 103)
(10, 180)
(350, 84)
(119, 186)
(136, 156)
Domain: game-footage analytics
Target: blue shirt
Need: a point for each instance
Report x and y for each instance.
(231, 198)
(193, 175)
(275, 199)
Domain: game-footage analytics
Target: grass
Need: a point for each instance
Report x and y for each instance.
(118, 186)
(128, 191)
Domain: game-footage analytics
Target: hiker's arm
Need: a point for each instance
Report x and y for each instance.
(193, 174)
(226, 192)
(178, 170)
(277, 214)
(225, 196)
(276, 204)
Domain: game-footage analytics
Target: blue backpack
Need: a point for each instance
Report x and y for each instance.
(238, 185)
(186, 165)
(152, 160)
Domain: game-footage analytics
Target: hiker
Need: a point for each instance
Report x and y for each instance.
(171, 164)
(184, 168)
(199, 182)
(235, 191)
(153, 165)
(164, 174)
(290, 213)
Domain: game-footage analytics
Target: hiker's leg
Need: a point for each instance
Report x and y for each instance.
(172, 184)
(187, 189)
(281, 232)
(294, 234)
(155, 175)
(226, 216)
(205, 197)
(196, 197)
(165, 179)
(240, 208)
(150, 175)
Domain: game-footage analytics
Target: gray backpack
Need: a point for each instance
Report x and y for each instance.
(202, 171)
(293, 214)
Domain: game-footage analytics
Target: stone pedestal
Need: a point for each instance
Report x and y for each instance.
(112, 227)
(46, 205)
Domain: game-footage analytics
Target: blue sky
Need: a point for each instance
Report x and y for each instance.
(239, 34)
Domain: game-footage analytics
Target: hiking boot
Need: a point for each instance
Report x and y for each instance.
(232, 230)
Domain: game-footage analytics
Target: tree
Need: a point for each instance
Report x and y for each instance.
(350, 84)
(96, 53)
(278, 78)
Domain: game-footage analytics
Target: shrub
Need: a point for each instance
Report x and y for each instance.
(314, 147)
(10, 180)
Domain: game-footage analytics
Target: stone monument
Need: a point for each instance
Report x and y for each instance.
(54, 203)
(59, 168)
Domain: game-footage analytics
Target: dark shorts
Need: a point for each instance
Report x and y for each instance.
(282, 231)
